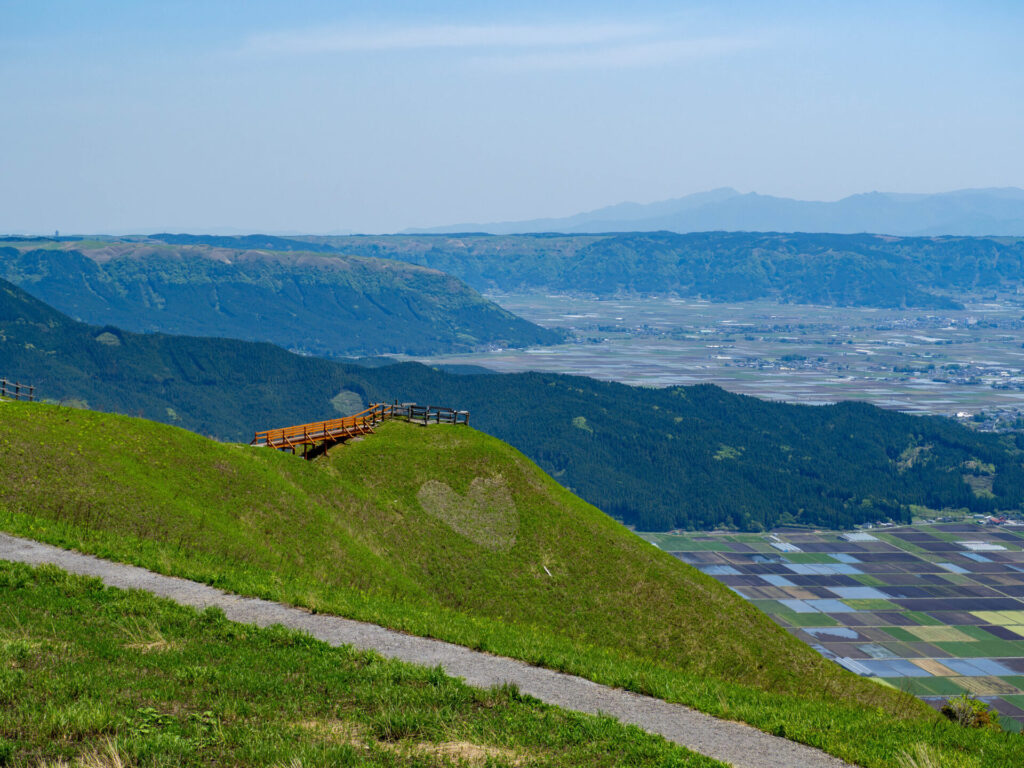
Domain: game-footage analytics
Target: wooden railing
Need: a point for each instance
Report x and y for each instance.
(426, 414)
(362, 423)
(17, 390)
(321, 431)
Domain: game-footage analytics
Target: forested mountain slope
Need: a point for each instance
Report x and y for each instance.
(842, 270)
(311, 303)
(311, 294)
(657, 458)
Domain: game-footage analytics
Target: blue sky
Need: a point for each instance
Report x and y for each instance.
(330, 116)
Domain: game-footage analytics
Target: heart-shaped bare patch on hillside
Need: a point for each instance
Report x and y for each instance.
(486, 515)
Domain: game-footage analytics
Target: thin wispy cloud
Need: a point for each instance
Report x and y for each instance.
(341, 40)
(619, 56)
(514, 46)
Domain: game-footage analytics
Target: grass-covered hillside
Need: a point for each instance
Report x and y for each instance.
(699, 456)
(657, 458)
(308, 302)
(445, 531)
(102, 678)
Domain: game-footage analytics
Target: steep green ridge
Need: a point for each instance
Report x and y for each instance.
(307, 302)
(659, 458)
(844, 270)
(832, 269)
(445, 531)
(91, 672)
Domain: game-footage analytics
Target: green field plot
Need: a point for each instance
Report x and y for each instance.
(868, 580)
(747, 538)
(959, 579)
(922, 618)
(678, 543)
(896, 541)
(1017, 680)
(993, 648)
(926, 686)
(792, 618)
(809, 619)
(900, 633)
(943, 535)
(871, 604)
(775, 608)
(1009, 724)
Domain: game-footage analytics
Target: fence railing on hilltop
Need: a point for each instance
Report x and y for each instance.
(332, 431)
(16, 390)
(426, 414)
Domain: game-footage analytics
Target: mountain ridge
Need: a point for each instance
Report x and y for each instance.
(802, 268)
(306, 299)
(989, 211)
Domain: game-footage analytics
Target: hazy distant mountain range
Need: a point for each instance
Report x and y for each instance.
(962, 212)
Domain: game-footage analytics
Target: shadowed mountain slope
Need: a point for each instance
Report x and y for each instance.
(312, 303)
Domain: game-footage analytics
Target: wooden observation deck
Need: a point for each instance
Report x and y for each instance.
(316, 437)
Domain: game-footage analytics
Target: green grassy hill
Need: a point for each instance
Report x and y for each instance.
(311, 303)
(447, 532)
(104, 678)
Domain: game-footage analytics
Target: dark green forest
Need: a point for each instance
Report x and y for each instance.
(657, 458)
(841, 270)
(309, 303)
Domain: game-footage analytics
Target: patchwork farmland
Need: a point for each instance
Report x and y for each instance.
(936, 610)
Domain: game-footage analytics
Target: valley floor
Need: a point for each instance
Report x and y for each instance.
(923, 361)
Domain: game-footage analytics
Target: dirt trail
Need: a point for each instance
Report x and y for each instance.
(733, 743)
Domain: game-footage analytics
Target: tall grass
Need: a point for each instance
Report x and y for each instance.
(88, 697)
(568, 588)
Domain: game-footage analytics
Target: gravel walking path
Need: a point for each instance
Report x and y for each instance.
(733, 743)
